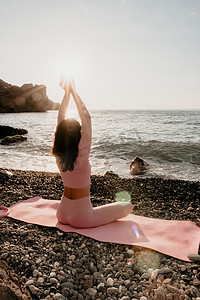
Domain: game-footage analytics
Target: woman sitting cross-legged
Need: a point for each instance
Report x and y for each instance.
(71, 148)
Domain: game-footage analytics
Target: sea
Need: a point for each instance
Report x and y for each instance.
(168, 140)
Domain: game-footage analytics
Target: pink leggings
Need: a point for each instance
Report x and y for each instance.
(80, 213)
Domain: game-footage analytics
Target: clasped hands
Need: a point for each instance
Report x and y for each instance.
(67, 85)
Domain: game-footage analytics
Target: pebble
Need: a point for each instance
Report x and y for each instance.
(67, 285)
(160, 295)
(88, 282)
(145, 276)
(164, 271)
(194, 257)
(183, 268)
(101, 286)
(40, 280)
(154, 274)
(143, 298)
(38, 261)
(130, 252)
(33, 289)
(58, 296)
(53, 280)
(172, 289)
(150, 270)
(110, 281)
(167, 281)
(112, 291)
(125, 298)
(196, 282)
(4, 255)
(72, 257)
(91, 291)
(52, 274)
(35, 273)
(29, 282)
(56, 264)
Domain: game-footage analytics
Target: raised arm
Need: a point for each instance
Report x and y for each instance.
(85, 118)
(65, 102)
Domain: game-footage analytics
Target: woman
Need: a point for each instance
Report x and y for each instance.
(71, 148)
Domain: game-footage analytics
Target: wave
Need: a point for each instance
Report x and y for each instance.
(153, 150)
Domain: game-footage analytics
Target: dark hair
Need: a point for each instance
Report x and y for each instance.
(66, 140)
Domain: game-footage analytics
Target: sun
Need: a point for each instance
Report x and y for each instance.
(69, 68)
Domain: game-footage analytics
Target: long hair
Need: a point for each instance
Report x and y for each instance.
(66, 141)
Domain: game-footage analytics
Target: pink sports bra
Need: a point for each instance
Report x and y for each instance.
(80, 176)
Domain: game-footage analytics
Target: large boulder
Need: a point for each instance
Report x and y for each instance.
(13, 139)
(11, 286)
(138, 165)
(8, 130)
(25, 98)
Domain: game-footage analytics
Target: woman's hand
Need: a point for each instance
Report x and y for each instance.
(72, 86)
(65, 84)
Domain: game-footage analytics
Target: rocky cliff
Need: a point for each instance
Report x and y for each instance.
(27, 98)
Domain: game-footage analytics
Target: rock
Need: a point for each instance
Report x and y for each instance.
(143, 298)
(125, 298)
(34, 289)
(196, 282)
(10, 131)
(164, 270)
(88, 282)
(159, 295)
(194, 257)
(130, 253)
(172, 289)
(154, 274)
(112, 291)
(58, 296)
(38, 261)
(53, 280)
(13, 139)
(194, 291)
(25, 98)
(183, 268)
(11, 286)
(101, 287)
(167, 281)
(4, 176)
(67, 285)
(26, 86)
(40, 280)
(91, 291)
(145, 276)
(72, 257)
(110, 281)
(29, 282)
(35, 273)
(138, 165)
(111, 174)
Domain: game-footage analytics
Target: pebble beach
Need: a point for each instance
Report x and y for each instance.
(56, 265)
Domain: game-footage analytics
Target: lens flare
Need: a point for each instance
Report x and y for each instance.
(123, 197)
(135, 229)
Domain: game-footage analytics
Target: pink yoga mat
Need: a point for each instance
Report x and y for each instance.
(174, 238)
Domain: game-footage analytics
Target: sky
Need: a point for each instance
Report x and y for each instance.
(123, 54)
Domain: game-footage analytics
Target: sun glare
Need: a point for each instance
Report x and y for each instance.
(70, 69)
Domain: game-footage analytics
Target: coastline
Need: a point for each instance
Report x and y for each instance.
(85, 263)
